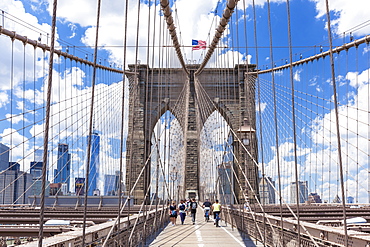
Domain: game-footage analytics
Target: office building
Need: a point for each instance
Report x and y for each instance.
(336, 199)
(14, 185)
(36, 169)
(94, 163)
(38, 155)
(4, 157)
(350, 199)
(96, 192)
(59, 189)
(267, 192)
(36, 188)
(302, 190)
(314, 198)
(110, 188)
(36, 173)
(117, 182)
(14, 166)
(79, 186)
(63, 171)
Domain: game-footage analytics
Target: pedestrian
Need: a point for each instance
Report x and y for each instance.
(193, 209)
(207, 209)
(182, 212)
(216, 208)
(187, 203)
(173, 213)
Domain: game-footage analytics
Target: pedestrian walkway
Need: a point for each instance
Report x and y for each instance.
(202, 234)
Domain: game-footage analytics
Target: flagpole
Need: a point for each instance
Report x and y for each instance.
(191, 56)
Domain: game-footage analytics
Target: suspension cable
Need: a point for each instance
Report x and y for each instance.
(337, 125)
(228, 11)
(47, 123)
(172, 29)
(91, 119)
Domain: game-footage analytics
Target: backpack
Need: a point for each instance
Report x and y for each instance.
(182, 207)
(193, 205)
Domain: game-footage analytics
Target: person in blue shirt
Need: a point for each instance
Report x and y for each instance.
(182, 211)
(207, 209)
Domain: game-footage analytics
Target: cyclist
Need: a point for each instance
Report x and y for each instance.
(216, 208)
(207, 208)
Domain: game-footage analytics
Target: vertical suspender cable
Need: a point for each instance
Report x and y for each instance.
(368, 127)
(150, 97)
(47, 123)
(122, 123)
(281, 237)
(294, 124)
(260, 117)
(171, 27)
(337, 125)
(230, 6)
(147, 178)
(90, 124)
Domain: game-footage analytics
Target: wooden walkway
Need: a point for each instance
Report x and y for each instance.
(202, 234)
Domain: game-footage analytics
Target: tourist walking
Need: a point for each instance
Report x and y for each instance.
(173, 213)
(187, 204)
(182, 212)
(216, 208)
(193, 209)
(207, 209)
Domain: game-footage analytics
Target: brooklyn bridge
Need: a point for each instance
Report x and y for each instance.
(101, 134)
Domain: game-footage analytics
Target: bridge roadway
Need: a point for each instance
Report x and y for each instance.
(202, 234)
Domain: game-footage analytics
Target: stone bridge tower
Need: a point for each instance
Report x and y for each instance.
(154, 91)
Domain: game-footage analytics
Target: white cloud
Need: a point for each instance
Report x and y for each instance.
(111, 29)
(73, 30)
(262, 106)
(4, 99)
(297, 75)
(19, 146)
(14, 118)
(366, 49)
(349, 15)
(13, 73)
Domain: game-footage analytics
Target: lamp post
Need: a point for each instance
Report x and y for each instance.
(247, 137)
(173, 177)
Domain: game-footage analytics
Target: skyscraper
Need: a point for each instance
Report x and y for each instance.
(94, 163)
(79, 186)
(266, 189)
(4, 157)
(36, 169)
(302, 190)
(63, 171)
(14, 185)
(110, 188)
(314, 198)
(38, 155)
(117, 182)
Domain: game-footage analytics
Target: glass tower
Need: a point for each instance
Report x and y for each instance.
(4, 157)
(94, 163)
(63, 171)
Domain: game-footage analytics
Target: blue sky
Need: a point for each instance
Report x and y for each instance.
(194, 20)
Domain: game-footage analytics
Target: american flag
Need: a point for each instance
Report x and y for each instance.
(199, 44)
